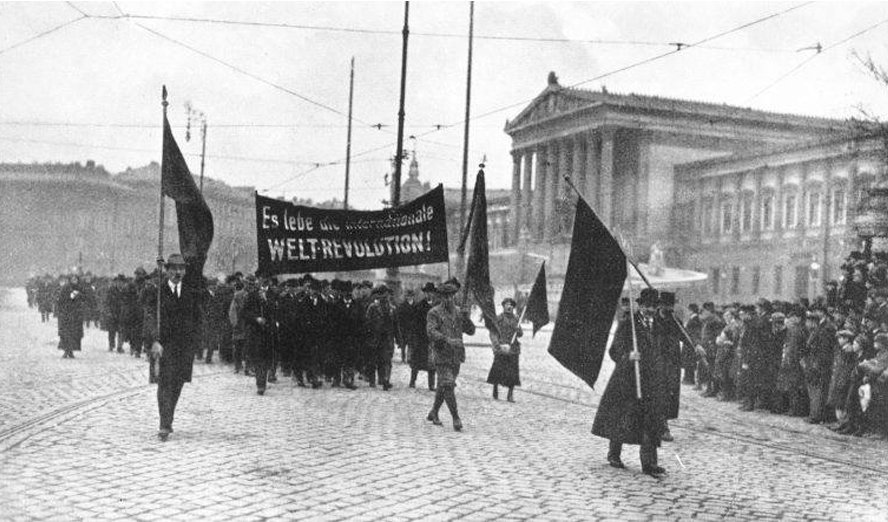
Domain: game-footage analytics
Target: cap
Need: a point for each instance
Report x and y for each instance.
(428, 287)
(648, 296)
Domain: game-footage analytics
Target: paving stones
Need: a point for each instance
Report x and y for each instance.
(301, 454)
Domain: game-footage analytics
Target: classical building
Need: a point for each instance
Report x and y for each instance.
(621, 152)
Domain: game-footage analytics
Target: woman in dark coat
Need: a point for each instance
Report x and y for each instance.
(70, 312)
(622, 417)
(504, 371)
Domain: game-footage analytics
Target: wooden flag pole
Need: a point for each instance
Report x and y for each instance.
(164, 103)
(634, 344)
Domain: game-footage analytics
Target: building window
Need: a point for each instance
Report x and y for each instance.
(746, 213)
(814, 209)
(727, 217)
(790, 217)
(756, 279)
(778, 280)
(838, 206)
(716, 279)
(735, 280)
(767, 212)
(706, 217)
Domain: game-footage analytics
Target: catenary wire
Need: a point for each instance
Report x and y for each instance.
(44, 33)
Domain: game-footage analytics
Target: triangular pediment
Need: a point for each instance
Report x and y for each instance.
(551, 102)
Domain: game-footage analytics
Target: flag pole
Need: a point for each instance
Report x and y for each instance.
(164, 103)
(520, 319)
(634, 343)
(628, 257)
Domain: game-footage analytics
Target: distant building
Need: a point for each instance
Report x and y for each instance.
(59, 216)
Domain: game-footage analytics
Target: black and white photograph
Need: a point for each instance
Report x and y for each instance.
(443, 260)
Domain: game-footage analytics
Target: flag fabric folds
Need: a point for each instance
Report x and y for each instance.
(537, 308)
(478, 284)
(195, 221)
(596, 271)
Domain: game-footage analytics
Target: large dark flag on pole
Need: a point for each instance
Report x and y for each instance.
(193, 216)
(596, 271)
(478, 265)
(537, 308)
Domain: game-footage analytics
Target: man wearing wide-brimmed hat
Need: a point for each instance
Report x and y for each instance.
(174, 344)
(445, 326)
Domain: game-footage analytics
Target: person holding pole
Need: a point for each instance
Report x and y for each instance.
(506, 349)
(633, 407)
(174, 341)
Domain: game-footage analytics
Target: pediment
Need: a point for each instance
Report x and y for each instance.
(549, 103)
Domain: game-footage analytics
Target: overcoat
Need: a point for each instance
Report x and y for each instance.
(259, 341)
(791, 377)
(505, 369)
(70, 312)
(179, 317)
(621, 416)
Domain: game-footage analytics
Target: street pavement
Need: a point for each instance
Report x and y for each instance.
(77, 442)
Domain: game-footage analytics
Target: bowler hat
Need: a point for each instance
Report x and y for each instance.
(509, 300)
(175, 260)
(428, 287)
(649, 296)
(455, 282)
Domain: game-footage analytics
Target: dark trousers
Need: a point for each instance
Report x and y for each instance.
(167, 398)
(262, 367)
(817, 394)
(647, 451)
(238, 353)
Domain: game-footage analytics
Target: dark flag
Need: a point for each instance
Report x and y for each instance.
(478, 267)
(195, 221)
(596, 271)
(537, 308)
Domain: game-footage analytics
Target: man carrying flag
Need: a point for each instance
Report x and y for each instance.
(177, 309)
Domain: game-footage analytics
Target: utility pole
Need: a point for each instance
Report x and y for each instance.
(348, 142)
(392, 272)
(201, 118)
(461, 254)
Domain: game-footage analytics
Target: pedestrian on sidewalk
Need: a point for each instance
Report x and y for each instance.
(506, 350)
(445, 325)
(174, 343)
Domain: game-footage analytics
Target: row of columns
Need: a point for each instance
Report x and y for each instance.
(587, 158)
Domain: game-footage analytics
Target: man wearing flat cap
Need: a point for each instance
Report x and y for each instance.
(445, 326)
(173, 344)
(816, 362)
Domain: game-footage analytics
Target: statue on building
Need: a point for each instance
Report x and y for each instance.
(553, 79)
(656, 261)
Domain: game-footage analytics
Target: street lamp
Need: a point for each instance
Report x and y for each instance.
(200, 118)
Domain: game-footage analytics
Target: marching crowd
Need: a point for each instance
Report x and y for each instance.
(318, 332)
(826, 360)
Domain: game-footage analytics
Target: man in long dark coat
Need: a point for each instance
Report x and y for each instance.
(622, 418)
(816, 362)
(350, 320)
(70, 311)
(174, 343)
(259, 318)
(418, 339)
(380, 321)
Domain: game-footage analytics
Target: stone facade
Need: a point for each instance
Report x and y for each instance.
(59, 216)
(777, 224)
(621, 153)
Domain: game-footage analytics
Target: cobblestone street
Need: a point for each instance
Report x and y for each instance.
(77, 442)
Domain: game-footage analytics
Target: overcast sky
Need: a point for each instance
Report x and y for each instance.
(274, 85)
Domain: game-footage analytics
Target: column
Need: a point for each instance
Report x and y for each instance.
(644, 229)
(549, 203)
(514, 218)
(607, 175)
(593, 162)
(565, 168)
(527, 191)
(539, 194)
(579, 163)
